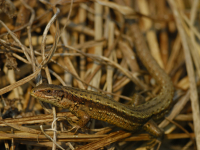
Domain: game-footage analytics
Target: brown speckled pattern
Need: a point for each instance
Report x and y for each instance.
(162, 102)
(88, 104)
(93, 104)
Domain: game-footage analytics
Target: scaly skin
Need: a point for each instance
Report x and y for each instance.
(88, 104)
(162, 102)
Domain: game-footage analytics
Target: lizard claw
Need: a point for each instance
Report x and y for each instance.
(74, 127)
(153, 143)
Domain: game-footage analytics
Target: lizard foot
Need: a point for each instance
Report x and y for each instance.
(153, 143)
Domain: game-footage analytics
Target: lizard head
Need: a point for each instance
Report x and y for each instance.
(50, 93)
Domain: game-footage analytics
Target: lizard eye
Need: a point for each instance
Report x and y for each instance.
(48, 91)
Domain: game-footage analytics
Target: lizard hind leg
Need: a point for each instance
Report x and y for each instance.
(156, 134)
(150, 126)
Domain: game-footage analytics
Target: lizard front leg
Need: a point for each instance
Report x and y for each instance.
(83, 120)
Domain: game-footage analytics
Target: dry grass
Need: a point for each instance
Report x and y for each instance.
(88, 44)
